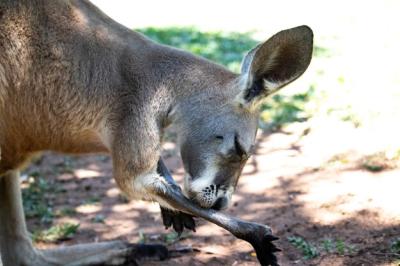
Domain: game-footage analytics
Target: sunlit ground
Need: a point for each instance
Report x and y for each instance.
(330, 177)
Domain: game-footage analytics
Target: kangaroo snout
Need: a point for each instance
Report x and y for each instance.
(221, 203)
(209, 199)
(209, 196)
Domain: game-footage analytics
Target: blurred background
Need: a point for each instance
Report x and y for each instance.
(325, 174)
(354, 73)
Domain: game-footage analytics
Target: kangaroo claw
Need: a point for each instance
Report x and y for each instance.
(259, 236)
(178, 220)
(264, 248)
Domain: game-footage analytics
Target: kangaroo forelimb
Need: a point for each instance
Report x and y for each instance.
(259, 236)
(178, 220)
(163, 171)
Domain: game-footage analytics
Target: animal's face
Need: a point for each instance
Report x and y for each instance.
(214, 154)
(219, 133)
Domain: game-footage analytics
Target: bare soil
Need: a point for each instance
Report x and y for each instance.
(300, 182)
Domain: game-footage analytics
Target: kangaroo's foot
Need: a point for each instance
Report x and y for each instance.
(104, 253)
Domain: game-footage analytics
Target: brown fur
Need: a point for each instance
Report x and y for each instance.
(69, 73)
(72, 80)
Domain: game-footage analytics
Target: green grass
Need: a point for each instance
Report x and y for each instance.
(342, 248)
(99, 218)
(346, 114)
(282, 109)
(174, 237)
(379, 161)
(320, 51)
(327, 246)
(308, 250)
(92, 200)
(395, 245)
(66, 211)
(56, 233)
(225, 48)
(338, 246)
(168, 238)
(35, 198)
(37, 194)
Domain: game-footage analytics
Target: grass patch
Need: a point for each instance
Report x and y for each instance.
(284, 109)
(226, 48)
(337, 246)
(308, 250)
(327, 246)
(67, 211)
(36, 202)
(92, 200)
(346, 114)
(343, 248)
(56, 233)
(99, 218)
(379, 161)
(395, 246)
(174, 237)
(339, 159)
(320, 51)
(168, 239)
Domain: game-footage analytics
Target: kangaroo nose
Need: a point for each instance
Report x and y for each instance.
(220, 204)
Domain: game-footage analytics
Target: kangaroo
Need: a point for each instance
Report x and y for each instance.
(72, 80)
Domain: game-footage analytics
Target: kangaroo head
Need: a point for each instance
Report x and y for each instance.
(220, 128)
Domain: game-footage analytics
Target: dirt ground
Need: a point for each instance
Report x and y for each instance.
(301, 181)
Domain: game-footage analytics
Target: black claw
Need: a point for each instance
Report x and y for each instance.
(152, 251)
(263, 246)
(177, 224)
(271, 238)
(178, 220)
(275, 249)
(265, 250)
(189, 222)
(167, 217)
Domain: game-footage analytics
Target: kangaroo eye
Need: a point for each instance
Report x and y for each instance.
(219, 137)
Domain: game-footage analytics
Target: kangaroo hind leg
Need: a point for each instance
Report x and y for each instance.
(16, 248)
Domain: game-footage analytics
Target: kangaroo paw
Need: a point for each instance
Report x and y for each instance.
(178, 220)
(151, 251)
(261, 240)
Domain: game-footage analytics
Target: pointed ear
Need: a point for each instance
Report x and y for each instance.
(275, 63)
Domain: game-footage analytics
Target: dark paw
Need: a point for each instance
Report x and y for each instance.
(261, 238)
(265, 250)
(152, 251)
(178, 220)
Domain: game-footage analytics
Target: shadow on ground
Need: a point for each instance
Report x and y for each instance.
(359, 238)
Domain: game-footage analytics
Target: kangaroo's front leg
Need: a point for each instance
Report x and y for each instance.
(259, 236)
(178, 220)
(136, 152)
(157, 188)
(138, 167)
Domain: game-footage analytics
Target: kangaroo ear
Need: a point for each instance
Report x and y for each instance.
(275, 63)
